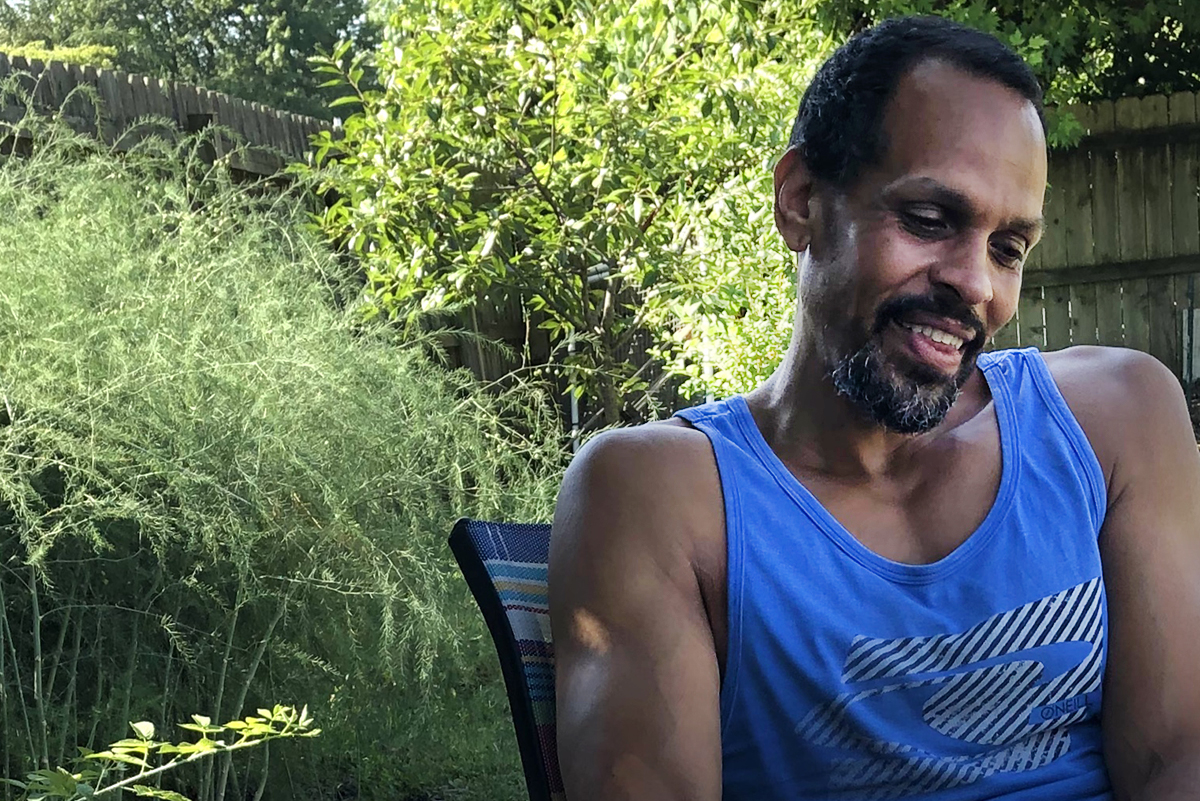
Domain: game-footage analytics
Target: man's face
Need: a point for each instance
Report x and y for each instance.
(917, 263)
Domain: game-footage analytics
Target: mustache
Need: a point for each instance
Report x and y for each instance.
(951, 308)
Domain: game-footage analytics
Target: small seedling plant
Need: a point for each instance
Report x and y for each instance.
(96, 774)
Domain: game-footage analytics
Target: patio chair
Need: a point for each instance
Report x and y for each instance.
(505, 568)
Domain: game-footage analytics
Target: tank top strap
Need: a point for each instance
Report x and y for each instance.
(1034, 398)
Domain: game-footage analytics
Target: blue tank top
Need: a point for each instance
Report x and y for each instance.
(850, 676)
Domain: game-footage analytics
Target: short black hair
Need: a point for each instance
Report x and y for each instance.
(838, 129)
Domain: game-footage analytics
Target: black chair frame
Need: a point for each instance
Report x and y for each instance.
(480, 584)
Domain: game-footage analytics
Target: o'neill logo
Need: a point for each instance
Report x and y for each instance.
(1005, 692)
(1061, 708)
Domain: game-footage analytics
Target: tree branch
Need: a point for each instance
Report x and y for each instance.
(543, 190)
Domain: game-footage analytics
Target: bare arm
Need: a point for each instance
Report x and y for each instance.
(637, 676)
(1150, 548)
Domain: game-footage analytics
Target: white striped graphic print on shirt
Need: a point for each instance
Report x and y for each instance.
(990, 705)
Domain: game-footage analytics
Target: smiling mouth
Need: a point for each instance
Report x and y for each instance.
(936, 334)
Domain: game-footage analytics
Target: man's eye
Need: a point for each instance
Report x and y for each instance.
(923, 223)
(1009, 255)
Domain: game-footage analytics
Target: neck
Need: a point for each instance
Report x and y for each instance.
(811, 426)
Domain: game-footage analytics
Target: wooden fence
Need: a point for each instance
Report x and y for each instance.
(1120, 261)
(273, 137)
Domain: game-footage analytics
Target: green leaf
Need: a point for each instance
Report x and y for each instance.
(146, 791)
(144, 729)
(113, 756)
(489, 242)
(186, 749)
(735, 116)
(129, 744)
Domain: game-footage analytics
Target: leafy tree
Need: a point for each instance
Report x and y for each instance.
(561, 152)
(1081, 50)
(96, 55)
(256, 50)
(611, 165)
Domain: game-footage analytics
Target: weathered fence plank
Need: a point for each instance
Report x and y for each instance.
(1187, 288)
(1030, 325)
(1156, 171)
(1083, 314)
(1131, 191)
(1105, 244)
(1054, 242)
(1164, 332)
(1077, 231)
(1109, 323)
(1185, 177)
(1156, 174)
(125, 100)
(273, 138)
(1057, 312)
(1136, 308)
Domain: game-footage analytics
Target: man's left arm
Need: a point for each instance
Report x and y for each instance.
(1150, 549)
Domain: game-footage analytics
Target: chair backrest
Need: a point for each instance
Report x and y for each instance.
(505, 567)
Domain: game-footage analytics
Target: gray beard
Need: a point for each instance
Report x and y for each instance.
(900, 403)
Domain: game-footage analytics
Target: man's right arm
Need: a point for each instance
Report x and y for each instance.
(637, 675)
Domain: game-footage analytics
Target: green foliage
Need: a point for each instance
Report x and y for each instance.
(257, 51)
(727, 323)
(218, 485)
(96, 55)
(561, 153)
(733, 316)
(99, 773)
(610, 164)
(1080, 50)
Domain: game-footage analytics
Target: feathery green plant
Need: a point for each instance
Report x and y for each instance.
(219, 487)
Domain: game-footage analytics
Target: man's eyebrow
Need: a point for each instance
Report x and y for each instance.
(1030, 227)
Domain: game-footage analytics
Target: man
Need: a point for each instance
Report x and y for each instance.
(900, 568)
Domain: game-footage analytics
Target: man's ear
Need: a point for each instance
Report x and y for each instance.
(793, 193)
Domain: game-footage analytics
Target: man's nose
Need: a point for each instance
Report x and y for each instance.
(966, 269)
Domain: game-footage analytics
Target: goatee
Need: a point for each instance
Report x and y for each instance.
(906, 399)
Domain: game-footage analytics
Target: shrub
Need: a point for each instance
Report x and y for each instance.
(219, 488)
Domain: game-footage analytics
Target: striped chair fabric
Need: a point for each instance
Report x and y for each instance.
(505, 567)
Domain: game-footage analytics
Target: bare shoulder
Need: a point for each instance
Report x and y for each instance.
(656, 480)
(666, 443)
(1123, 399)
(1110, 378)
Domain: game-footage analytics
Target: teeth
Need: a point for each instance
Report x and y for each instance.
(936, 334)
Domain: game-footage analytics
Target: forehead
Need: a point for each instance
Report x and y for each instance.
(971, 134)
